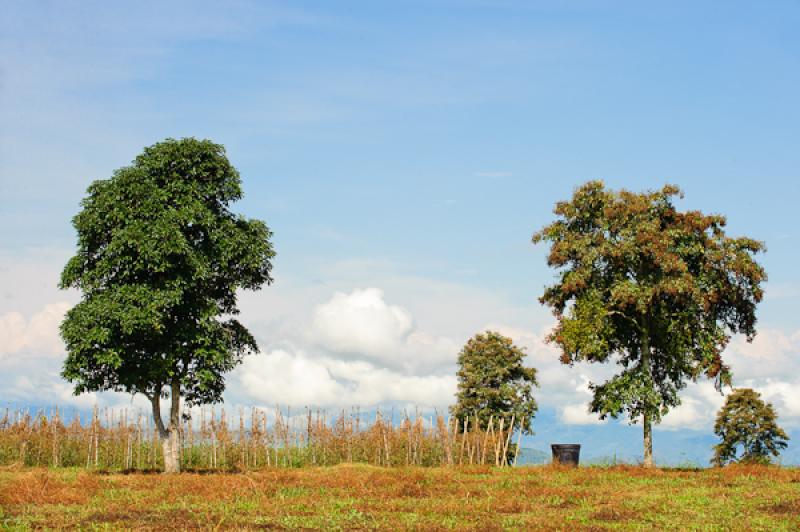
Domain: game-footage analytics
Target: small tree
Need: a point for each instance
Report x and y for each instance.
(492, 382)
(747, 422)
(651, 288)
(160, 259)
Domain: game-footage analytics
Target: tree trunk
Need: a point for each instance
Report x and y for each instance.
(648, 441)
(171, 447)
(170, 435)
(647, 428)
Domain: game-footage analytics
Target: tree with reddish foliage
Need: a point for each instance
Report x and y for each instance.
(653, 289)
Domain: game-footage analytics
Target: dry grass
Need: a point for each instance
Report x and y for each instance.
(119, 440)
(401, 498)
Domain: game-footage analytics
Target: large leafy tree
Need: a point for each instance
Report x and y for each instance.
(493, 382)
(653, 289)
(160, 259)
(748, 423)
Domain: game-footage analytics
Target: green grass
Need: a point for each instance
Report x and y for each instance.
(367, 497)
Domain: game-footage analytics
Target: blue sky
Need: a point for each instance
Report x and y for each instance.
(403, 153)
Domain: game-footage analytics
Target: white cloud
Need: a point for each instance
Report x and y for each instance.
(539, 352)
(425, 354)
(13, 326)
(371, 385)
(578, 414)
(768, 355)
(280, 377)
(46, 389)
(359, 350)
(768, 365)
(37, 336)
(283, 377)
(332, 344)
(785, 396)
(699, 404)
(383, 354)
(360, 325)
(782, 393)
(361, 322)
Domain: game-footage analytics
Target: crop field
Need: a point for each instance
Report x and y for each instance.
(361, 496)
(116, 440)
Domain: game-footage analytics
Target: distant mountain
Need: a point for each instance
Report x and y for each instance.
(528, 456)
(619, 442)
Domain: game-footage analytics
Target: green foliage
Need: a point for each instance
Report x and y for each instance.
(747, 422)
(653, 289)
(493, 382)
(160, 258)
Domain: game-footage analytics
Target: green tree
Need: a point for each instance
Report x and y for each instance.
(160, 259)
(747, 422)
(653, 289)
(493, 382)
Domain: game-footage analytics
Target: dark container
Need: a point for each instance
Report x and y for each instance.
(566, 453)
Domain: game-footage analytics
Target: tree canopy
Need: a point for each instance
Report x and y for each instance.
(653, 289)
(746, 422)
(160, 259)
(492, 382)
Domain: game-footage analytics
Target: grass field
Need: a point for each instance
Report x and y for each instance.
(368, 497)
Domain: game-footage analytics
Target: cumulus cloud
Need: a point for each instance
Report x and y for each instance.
(361, 322)
(330, 344)
(45, 388)
(281, 377)
(699, 404)
(37, 336)
(784, 396)
(768, 355)
(361, 325)
(364, 350)
(538, 351)
(768, 365)
(359, 350)
(293, 378)
(13, 326)
(579, 414)
(372, 385)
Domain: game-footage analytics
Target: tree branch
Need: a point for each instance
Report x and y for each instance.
(623, 315)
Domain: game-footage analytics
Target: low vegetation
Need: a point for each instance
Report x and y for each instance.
(215, 440)
(368, 497)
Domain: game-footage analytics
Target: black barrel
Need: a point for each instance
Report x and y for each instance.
(566, 453)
